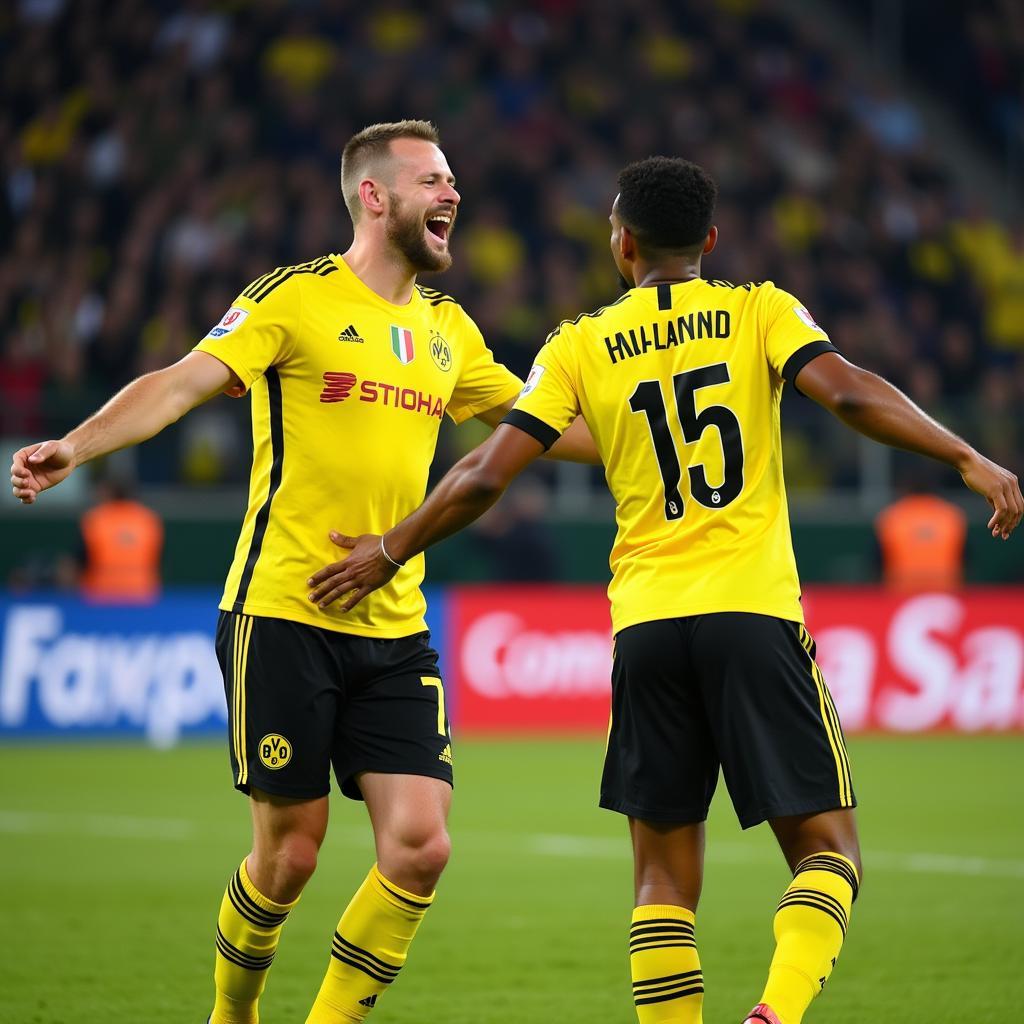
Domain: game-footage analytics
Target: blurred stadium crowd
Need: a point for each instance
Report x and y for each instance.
(982, 75)
(158, 156)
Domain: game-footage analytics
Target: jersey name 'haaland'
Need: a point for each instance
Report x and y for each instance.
(661, 335)
(680, 386)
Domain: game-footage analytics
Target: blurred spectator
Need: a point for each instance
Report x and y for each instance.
(157, 158)
(22, 373)
(972, 54)
(299, 56)
(492, 248)
(1004, 287)
(922, 540)
(122, 543)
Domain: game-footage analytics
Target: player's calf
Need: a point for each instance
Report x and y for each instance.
(369, 949)
(248, 930)
(668, 985)
(810, 926)
(373, 937)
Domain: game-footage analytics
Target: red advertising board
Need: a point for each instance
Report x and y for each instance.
(530, 658)
(539, 658)
(924, 662)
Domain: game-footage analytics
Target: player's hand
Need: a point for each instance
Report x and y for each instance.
(365, 569)
(39, 466)
(1000, 488)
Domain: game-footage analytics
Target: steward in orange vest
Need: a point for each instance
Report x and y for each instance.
(922, 539)
(122, 541)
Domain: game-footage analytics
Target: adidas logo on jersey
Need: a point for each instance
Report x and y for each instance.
(350, 334)
(446, 754)
(369, 1000)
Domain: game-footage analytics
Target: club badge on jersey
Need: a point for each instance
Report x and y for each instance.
(440, 352)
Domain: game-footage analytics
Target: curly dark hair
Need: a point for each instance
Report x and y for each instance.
(667, 203)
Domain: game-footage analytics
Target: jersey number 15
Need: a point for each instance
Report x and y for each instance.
(649, 399)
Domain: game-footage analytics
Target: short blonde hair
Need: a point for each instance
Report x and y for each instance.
(369, 149)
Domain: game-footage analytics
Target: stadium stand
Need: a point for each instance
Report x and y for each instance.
(157, 157)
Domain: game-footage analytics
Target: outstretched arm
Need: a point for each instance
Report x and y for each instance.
(575, 445)
(873, 407)
(468, 490)
(137, 412)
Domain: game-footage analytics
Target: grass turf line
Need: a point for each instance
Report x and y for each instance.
(115, 858)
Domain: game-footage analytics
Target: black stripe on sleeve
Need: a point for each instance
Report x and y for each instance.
(263, 515)
(537, 429)
(256, 285)
(802, 356)
(321, 267)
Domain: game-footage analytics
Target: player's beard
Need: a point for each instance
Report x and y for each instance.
(406, 234)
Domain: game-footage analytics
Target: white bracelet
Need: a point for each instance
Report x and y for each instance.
(384, 552)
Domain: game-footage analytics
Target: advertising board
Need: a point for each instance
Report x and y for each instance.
(71, 668)
(539, 658)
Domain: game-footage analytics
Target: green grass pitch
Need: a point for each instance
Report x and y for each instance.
(113, 862)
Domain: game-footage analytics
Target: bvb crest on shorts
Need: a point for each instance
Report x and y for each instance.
(275, 751)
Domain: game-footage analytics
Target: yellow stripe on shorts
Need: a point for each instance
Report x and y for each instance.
(243, 664)
(235, 648)
(837, 725)
(830, 719)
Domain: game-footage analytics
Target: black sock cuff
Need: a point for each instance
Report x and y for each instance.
(836, 863)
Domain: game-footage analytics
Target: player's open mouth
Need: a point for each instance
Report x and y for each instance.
(439, 225)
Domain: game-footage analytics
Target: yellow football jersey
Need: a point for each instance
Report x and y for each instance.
(680, 386)
(348, 393)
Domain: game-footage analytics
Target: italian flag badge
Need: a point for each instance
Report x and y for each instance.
(401, 344)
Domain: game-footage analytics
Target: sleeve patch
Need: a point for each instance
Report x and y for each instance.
(233, 318)
(805, 317)
(536, 372)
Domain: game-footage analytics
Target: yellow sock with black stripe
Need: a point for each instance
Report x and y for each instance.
(369, 949)
(668, 985)
(810, 926)
(248, 928)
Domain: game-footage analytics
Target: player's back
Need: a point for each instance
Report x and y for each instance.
(680, 385)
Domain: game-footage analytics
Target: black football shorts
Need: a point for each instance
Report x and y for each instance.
(731, 689)
(301, 699)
